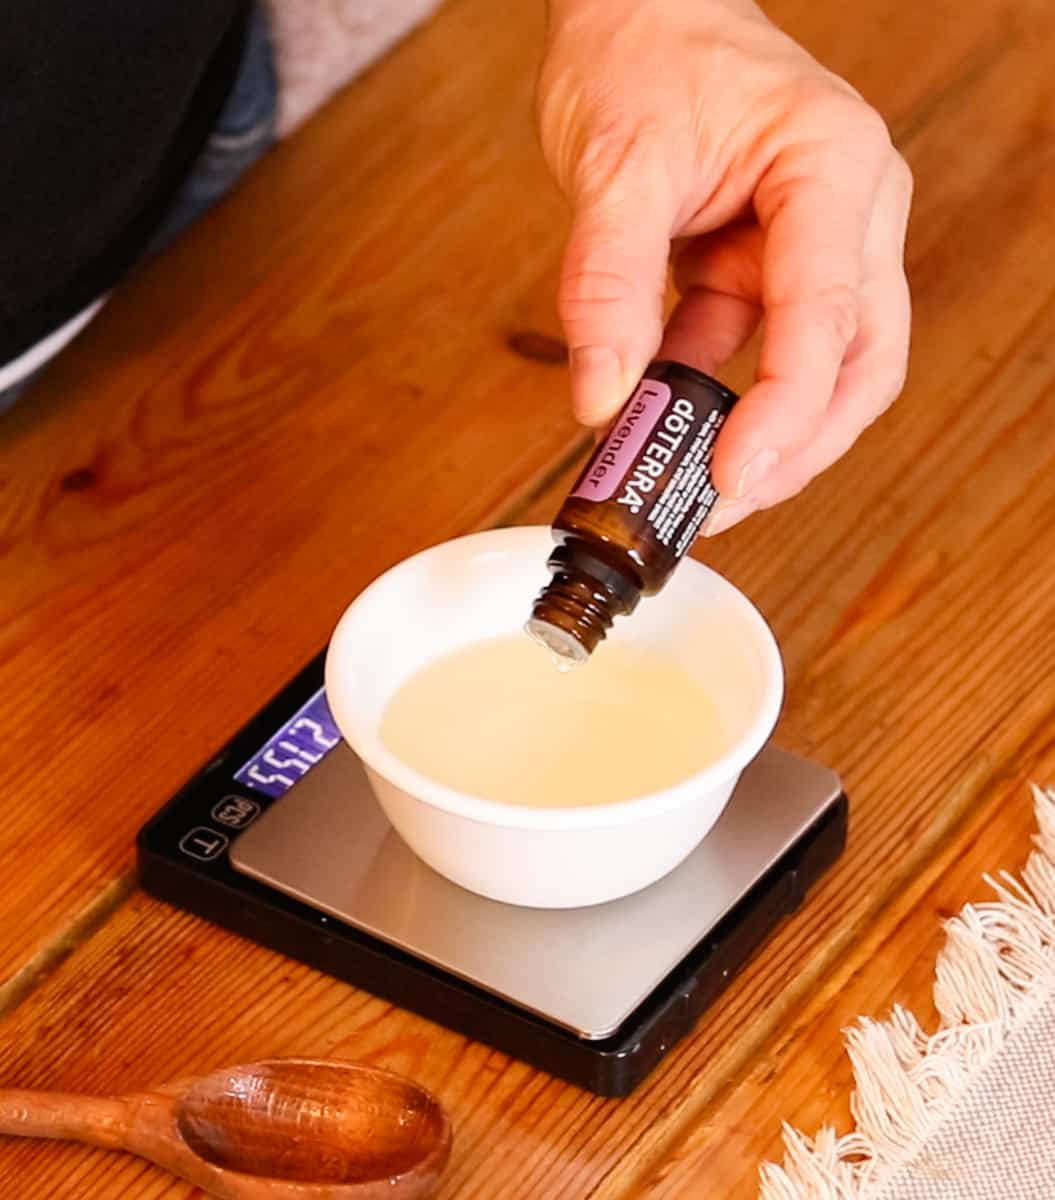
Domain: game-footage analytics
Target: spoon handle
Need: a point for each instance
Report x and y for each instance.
(94, 1120)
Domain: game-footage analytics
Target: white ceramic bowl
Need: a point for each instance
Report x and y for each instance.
(482, 586)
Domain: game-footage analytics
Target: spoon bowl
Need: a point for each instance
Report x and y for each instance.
(312, 1121)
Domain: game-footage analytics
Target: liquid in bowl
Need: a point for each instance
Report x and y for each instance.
(497, 719)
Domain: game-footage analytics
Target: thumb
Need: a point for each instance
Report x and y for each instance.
(612, 289)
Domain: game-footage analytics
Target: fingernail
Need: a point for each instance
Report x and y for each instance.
(597, 383)
(754, 470)
(726, 514)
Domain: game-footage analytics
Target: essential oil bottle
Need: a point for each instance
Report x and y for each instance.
(635, 509)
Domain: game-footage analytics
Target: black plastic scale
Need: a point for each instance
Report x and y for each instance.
(264, 842)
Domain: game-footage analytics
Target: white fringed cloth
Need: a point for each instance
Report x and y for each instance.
(968, 1112)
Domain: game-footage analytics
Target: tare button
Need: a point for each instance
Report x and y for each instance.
(204, 844)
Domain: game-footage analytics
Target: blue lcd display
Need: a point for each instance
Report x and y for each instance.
(288, 755)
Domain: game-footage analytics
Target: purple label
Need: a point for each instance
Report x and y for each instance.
(612, 461)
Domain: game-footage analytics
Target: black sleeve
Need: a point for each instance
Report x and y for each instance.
(104, 106)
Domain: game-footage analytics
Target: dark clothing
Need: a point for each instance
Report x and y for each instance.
(104, 107)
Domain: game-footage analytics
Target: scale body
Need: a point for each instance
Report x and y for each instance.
(280, 839)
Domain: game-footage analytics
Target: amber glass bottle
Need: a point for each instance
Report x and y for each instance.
(635, 510)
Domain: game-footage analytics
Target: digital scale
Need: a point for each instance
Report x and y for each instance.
(280, 839)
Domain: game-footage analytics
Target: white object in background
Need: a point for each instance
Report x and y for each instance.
(481, 586)
(44, 351)
(320, 45)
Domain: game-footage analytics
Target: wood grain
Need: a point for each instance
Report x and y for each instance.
(338, 367)
(908, 587)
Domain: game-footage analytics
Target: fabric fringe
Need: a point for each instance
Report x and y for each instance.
(996, 968)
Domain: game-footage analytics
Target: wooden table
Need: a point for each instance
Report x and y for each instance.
(353, 358)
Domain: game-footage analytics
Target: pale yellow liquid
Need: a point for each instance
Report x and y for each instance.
(498, 720)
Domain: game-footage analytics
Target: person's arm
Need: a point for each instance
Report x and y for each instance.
(698, 127)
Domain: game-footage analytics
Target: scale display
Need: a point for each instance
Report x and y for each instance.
(288, 755)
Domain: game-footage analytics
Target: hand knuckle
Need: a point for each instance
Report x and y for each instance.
(584, 290)
(836, 310)
(903, 176)
(613, 136)
(892, 387)
(813, 101)
(846, 114)
(886, 389)
(871, 130)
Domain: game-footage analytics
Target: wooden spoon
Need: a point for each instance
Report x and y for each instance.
(283, 1129)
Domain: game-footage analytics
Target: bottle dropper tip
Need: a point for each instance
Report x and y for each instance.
(568, 651)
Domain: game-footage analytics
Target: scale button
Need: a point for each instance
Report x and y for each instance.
(236, 812)
(204, 844)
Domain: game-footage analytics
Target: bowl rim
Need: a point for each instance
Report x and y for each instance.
(363, 736)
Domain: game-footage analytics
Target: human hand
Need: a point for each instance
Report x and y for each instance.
(695, 129)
